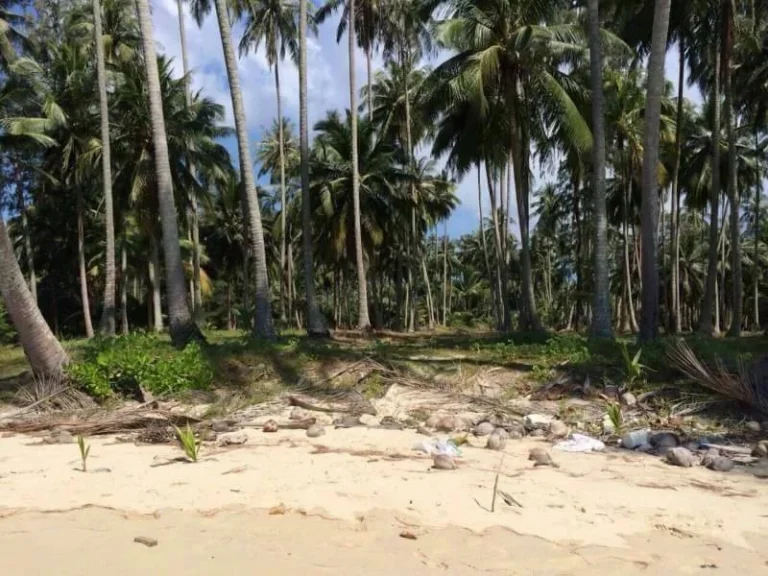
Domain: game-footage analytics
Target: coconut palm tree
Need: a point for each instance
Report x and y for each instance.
(182, 325)
(273, 23)
(263, 325)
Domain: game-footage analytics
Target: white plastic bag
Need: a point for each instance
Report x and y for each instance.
(433, 447)
(580, 443)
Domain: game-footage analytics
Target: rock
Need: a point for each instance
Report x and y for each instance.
(644, 448)
(753, 426)
(424, 431)
(443, 462)
(389, 423)
(635, 439)
(761, 449)
(495, 442)
(297, 413)
(315, 431)
(680, 456)
(663, 441)
(148, 542)
(719, 463)
(270, 426)
(222, 426)
(558, 429)
(537, 433)
(541, 457)
(408, 535)
(347, 421)
(59, 437)
(232, 439)
(537, 421)
(628, 399)
(483, 429)
(432, 421)
(278, 510)
(446, 424)
(503, 434)
(208, 436)
(611, 391)
(692, 445)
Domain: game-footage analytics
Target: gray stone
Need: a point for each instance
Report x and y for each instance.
(539, 433)
(680, 456)
(503, 433)
(232, 439)
(432, 421)
(221, 426)
(611, 391)
(663, 441)
(628, 399)
(315, 431)
(270, 426)
(541, 457)
(148, 542)
(446, 424)
(496, 442)
(208, 436)
(635, 439)
(692, 445)
(719, 463)
(537, 421)
(298, 413)
(645, 448)
(753, 426)
(761, 449)
(443, 462)
(483, 429)
(558, 429)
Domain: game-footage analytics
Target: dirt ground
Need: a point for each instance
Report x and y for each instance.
(346, 497)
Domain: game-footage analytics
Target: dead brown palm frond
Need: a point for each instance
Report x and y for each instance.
(49, 393)
(747, 386)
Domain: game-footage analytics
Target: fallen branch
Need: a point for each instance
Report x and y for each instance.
(290, 425)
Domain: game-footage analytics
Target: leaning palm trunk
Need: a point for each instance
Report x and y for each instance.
(81, 266)
(676, 323)
(43, 351)
(197, 293)
(755, 263)
(27, 244)
(123, 289)
(649, 320)
(484, 243)
(107, 324)
(316, 325)
(182, 326)
(601, 313)
(263, 326)
(363, 321)
(705, 321)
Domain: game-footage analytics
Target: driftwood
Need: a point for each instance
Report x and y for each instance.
(288, 425)
(360, 407)
(92, 423)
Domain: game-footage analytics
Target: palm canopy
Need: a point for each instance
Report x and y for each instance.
(272, 23)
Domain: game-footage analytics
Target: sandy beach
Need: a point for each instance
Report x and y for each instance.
(343, 500)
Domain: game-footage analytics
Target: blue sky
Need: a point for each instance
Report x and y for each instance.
(328, 86)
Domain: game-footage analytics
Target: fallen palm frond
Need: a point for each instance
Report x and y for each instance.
(95, 422)
(747, 386)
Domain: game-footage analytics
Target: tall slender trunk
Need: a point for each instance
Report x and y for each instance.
(737, 300)
(705, 320)
(675, 201)
(81, 266)
(414, 247)
(229, 307)
(627, 263)
(369, 92)
(283, 199)
(430, 302)
(289, 279)
(756, 273)
(363, 321)
(263, 326)
(601, 304)
(182, 325)
(503, 303)
(579, 272)
(445, 276)
(123, 289)
(154, 281)
(43, 351)
(316, 324)
(27, 242)
(107, 324)
(649, 320)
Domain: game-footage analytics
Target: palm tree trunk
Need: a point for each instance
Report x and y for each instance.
(430, 301)
(484, 244)
(43, 351)
(123, 289)
(649, 320)
(627, 264)
(737, 300)
(27, 242)
(363, 321)
(579, 272)
(601, 317)
(503, 303)
(289, 279)
(316, 324)
(247, 285)
(154, 281)
(283, 203)
(182, 326)
(369, 92)
(81, 266)
(107, 325)
(197, 294)
(675, 201)
(263, 326)
(445, 276)
(705, 320)
(755, 261)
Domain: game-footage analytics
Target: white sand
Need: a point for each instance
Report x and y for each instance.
(596, 512)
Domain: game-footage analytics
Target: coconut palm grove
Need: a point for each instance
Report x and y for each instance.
(618, 150)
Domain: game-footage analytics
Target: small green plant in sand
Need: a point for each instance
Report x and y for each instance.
(189, 443)
(632, 367)
(85, 450)
(616, 416)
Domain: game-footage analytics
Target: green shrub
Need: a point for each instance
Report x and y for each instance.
(7, 331)
(122, 365)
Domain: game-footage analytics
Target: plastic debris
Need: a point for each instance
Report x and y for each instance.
(435, 447)
(580, 443)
